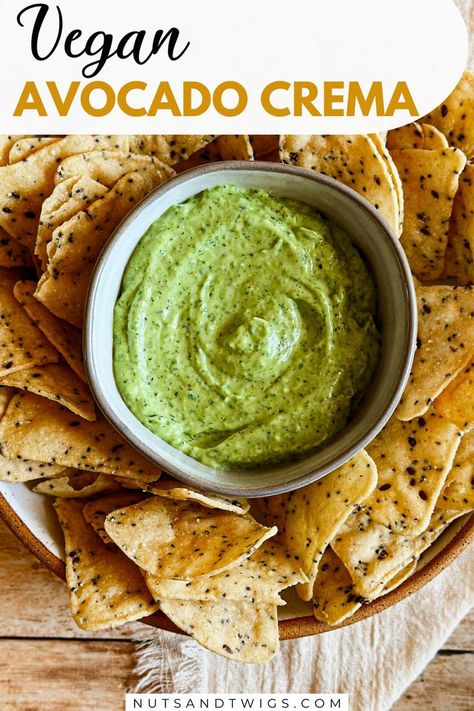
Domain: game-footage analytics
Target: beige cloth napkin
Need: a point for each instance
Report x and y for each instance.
(373, 661)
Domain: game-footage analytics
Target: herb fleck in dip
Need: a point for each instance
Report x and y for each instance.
(244, 332)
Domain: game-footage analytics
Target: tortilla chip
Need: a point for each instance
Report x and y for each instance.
(56, 382)
(12, 254)
(416, 135)
(20, 470)
(413, 460)
(25, 146)
(397, 183)
(64, 337)
(373, 553)
(6, 144)
(430, 181)
(6, 395)
(107, 167)
(24, 185)
(77, 243)
(458, 492)
(78, 485)
(257, 579)
(433, 139)
(456, 402)
(460, 254)
(334, 599)
(39, 429)
(174, 490)
(310, 517)
(182, 540)
(455, 116)
(445, 345)
(220, 149)
(22, 344)
(105, 588)
(353, 161)
(237, 630)
(262, 145)
(67, 199)
(95, 511)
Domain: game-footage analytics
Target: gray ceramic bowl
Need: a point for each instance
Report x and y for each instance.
(397, 313)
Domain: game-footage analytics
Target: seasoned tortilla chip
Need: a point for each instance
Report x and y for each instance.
(444, 346)
(373, 553)
(57, 382)
(397, 183)
(67, 199)
(257, 579)
(6, 395)
(77, 485)
(107, 167)
(352, 160)
(430, 181)
(21, 470)
(458, 492)
(6, 144)
(24, 185)
(77, 243)
(456, 402)
(413, 460)
(26, 427)
(12, 254)
(460, 253)
(416, 135)
(310, 517)
(237, 630)
(262, 145)
(174, 490)
(221, 148)
(22, 344)
(105, 588)
(95, 511)
(180, 539)
(64, 337)
(455, 116)
(25, 146)
(334, 599)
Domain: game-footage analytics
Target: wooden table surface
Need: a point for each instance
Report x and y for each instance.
(48, 664)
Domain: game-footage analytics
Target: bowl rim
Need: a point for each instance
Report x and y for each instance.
(288, 629)
(156, 457)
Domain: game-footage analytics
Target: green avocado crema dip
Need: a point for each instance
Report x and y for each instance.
(244, 331)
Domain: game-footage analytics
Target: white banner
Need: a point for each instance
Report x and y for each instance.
(237, 702)
(181, 66)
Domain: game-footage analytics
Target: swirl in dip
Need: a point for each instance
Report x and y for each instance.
(244, 332)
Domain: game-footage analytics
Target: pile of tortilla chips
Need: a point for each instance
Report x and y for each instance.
(136, 543)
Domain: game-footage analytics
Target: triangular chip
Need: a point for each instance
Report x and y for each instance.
(373, 553)
(455, 116)
(430, 181)
(6, 395)
(460, 253)
(76, 244)
(237, 630)
(182, 540)
(171, 489)
(77, 485)
(6, 144)
(96, 511)
(25, 146)
(397, 183)
(433, 138)
(12, 253)
(22, 344)
(458, 492)
(257, 579)
(444, 346)
(67, 199)
(26, 431)
(57, 382)
(20, 470)
(334, 599)
(456, 402)
(107, 167)
(413, 460)
(352, 160)
(105, 588)
(64, 337)
(416, 135)
(310, 517)
(221, 148)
